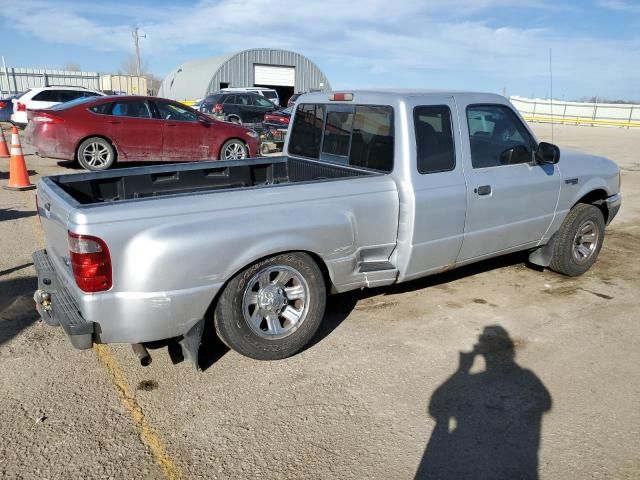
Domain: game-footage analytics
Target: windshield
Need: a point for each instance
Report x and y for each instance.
(270, 94)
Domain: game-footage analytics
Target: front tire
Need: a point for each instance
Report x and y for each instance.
(273, 308)
(96, 154)
(234, 149)
(579, 241)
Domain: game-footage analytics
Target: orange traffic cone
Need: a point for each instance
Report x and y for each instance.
(18, 175)
(4, 152)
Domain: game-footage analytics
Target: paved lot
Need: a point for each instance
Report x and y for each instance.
(360, 403)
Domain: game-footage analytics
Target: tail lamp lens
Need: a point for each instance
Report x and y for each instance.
(22, 107)
(90, 262)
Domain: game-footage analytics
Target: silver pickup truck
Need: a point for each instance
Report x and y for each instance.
(373, 188)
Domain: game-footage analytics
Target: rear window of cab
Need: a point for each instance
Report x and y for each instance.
(355, 135)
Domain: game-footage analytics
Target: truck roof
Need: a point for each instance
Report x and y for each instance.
(390, 95)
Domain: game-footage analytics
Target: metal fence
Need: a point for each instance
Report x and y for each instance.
(14, 80)
(576, 113)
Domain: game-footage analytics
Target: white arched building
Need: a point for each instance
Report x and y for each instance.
(287, 72)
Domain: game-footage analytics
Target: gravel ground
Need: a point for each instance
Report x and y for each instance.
(553, 382)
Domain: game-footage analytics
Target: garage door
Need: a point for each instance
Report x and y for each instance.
(274, 76)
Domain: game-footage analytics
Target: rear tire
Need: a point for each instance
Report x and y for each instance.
(273, 308)
(96, 154)
(579, 241)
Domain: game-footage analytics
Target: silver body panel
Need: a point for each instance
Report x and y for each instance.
(171, 255)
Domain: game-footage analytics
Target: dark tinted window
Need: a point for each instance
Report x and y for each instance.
(102, 108)
(306, 131)
(170, 111)
(243, 100)
(230, 99)
(372, 139)
(47, 96)
(337, 133)
(361, 136)
(497, 136)
(67, 95)
(135, 108)
(434, 139)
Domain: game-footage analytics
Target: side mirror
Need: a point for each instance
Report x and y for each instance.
(204, 121)
(547, 154)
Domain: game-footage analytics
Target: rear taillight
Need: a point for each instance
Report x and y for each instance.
(45, 118)
(90, 262)
(284, 119)
(3, 104)
(217, 108)
(21, 107)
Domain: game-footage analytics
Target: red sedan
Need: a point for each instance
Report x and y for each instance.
(99, 131)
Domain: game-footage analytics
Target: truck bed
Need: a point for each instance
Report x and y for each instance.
(153, 181)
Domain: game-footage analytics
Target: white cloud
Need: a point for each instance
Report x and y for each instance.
(620, 5)
(398, 40)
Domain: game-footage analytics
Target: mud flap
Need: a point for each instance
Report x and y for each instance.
(542, 256)
(190, 343)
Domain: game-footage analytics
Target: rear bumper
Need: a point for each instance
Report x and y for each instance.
(614, 202)
(57, 307)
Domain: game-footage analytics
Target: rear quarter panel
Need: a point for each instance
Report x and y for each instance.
(171, 255)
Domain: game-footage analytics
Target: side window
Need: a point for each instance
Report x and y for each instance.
(434, 139)
(306, 131)
(262, 102)
(231, 99)
(372, 139)
(68, 95)
(337, 133)
(136, 109)
(102, 108)
(47, 96)
(243, 100)
(497, 137)
(170, 111)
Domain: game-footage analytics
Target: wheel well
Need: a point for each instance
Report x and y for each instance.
(232, 138)
(316, 258)
(597, 198)
(115, 149)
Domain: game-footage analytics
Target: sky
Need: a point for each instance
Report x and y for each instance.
(482, 45)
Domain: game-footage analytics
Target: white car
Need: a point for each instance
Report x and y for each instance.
(45, 97)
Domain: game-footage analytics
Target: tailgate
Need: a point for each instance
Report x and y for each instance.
(54, 210)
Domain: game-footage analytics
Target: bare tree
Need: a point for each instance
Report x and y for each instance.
(129, 66)
(71, 67)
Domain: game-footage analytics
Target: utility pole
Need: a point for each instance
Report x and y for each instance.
(136, 40)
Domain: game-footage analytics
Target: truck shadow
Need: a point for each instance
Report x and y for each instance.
(12, 214)
(340, 306)
(5, 175)
(17, 311)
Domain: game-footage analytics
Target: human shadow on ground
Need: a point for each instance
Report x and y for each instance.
(487, 424)
(17, 310)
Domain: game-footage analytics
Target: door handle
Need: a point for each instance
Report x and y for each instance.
(171, 124)
(483, 190)
(114, 122)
